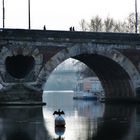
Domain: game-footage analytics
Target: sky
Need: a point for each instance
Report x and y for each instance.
(61, 14)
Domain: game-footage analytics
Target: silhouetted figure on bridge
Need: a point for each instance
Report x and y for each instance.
(44, 27)
(72, 29)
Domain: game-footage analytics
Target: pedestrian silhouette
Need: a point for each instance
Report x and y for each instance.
(70, 28)
(44, 27)
(73, 29)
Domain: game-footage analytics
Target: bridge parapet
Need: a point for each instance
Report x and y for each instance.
(67, 36)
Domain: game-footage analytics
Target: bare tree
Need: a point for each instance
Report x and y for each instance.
(120, 27)
(108, 24)
(131, 23)
(83, 25)
(96, 24)
(138, 22)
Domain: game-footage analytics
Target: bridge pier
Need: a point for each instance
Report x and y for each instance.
(20, 95)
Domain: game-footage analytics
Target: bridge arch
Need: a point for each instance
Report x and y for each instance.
(116, 72)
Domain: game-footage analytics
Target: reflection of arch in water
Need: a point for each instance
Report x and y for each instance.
(116, 123)
(89, 109)
(23, 123)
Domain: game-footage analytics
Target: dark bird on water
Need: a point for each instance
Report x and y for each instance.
(59, 112)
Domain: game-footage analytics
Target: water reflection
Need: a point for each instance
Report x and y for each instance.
(85, 120)
(115, 123)
(89, 120)
(24, 123)
(60, 132)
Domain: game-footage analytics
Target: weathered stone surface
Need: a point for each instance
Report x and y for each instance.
(21, 95)
(114, 57)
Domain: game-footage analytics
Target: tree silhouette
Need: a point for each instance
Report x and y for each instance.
(97, 24)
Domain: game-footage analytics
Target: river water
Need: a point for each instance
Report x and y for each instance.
(85, 120)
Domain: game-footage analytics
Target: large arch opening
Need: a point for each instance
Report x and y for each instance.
(114, 79)
(118, 75)
(72, 76)
(19, 66)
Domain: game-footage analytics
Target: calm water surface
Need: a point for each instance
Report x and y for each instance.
(85, 120)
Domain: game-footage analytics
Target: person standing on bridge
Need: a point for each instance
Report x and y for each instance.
(44, 27)
(72, 29)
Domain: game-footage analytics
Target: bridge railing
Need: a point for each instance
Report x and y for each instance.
(44, 34)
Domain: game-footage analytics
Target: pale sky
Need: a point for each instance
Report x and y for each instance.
(61, 14)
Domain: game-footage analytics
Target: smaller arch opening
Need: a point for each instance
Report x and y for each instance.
(19, 66)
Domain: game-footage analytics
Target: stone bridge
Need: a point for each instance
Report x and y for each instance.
(27, 58)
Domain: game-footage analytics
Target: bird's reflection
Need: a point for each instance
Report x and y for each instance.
(59, 131)
(59, 138)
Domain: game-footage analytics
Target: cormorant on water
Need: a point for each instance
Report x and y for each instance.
(59, 112)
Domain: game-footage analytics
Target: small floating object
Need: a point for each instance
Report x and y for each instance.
(59, 120)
